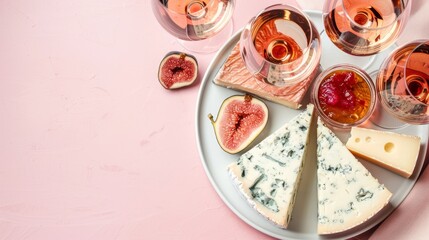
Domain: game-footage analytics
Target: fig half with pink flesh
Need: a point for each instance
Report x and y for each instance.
(240, 120)
(177, 70)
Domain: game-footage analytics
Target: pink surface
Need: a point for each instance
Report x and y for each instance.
(411, 218)
(91, 145)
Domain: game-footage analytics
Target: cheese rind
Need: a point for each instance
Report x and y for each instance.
(348, 194)
(394, 151)
(235, 75)
(268, 174)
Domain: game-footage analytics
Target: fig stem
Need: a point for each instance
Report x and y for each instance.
(211, 118)
(182, 55)
(247, 98)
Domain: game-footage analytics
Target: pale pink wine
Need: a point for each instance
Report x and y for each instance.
(363, 27)
(282, 46)
(193, 19)
(272, 43)
(403, 82)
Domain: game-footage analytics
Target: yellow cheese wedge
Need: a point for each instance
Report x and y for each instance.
(394, 151)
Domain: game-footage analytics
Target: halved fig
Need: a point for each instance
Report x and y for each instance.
(240, 120)
(177, 69)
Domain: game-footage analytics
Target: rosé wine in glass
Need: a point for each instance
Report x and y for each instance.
(200, 25)
(403, 83)
(281, 46)
(364, 27)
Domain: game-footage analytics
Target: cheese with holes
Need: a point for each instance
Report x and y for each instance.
(348, 194)
(268, 174)
(394, 151)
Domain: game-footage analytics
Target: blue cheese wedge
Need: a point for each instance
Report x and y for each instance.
(348, 194)
(268, 174)
(407, 105)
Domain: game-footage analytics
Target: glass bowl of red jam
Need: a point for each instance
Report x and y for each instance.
(344, 96)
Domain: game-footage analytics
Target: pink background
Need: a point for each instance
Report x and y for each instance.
(91, 145)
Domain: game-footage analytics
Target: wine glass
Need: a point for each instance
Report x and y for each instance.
(362, 28)
(403, 84)
(201, 26)
(280, 47)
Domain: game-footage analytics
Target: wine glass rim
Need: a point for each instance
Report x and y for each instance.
(406, 9)
(184, 13)
(295, 70)
(420, 43)
(301, 13)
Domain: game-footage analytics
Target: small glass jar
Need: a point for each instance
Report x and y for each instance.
(344, 96)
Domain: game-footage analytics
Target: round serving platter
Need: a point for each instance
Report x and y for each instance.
(304, 216)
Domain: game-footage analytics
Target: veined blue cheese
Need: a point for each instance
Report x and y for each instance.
(407, 105)
(268, 174)
(348, 194)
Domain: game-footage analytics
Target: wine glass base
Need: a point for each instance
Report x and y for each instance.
(335, 56)
(211, 44)
(381, 118)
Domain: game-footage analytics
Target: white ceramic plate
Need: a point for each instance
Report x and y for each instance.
(304, 216)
